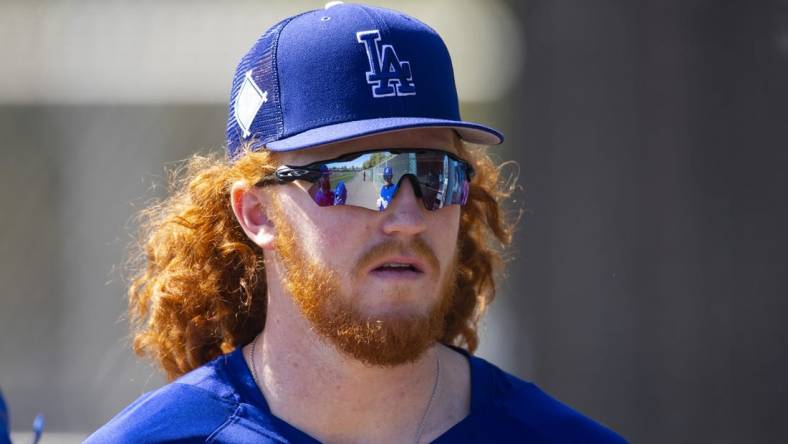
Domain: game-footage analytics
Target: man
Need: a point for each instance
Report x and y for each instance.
(388, 189)
(287, 321)
(321, 191)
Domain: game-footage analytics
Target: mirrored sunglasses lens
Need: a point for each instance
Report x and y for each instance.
(371, 180)
(445, 184)
(356, 182)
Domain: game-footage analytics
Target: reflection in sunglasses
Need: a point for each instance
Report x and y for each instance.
(370, 179)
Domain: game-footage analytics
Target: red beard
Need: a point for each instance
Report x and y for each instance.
(381, 340)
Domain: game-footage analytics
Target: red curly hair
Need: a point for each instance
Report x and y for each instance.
(198, 287)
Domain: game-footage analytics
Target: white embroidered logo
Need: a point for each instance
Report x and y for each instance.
(248, 102)
(385, 67)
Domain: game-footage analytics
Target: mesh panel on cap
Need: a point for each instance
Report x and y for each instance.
(266, 125)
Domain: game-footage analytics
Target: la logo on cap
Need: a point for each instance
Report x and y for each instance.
(387, 74)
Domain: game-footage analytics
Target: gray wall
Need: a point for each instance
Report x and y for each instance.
(652, 280)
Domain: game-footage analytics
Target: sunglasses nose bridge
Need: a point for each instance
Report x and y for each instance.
(405, 201)
(414, 183)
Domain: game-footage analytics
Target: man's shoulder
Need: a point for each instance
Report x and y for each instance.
(188, 409)
(516, 406)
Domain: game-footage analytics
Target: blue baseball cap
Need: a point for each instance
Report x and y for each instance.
(343, 72)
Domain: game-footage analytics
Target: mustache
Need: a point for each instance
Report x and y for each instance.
(417, 247)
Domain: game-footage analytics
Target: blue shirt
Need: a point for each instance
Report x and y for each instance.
(220, 402)
(387, 193)
(5, 438)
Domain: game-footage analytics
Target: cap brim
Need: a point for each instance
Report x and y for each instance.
(469, 131)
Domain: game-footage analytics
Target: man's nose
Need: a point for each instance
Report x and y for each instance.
(406, 213)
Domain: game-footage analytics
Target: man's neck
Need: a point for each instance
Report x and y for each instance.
(335, 398)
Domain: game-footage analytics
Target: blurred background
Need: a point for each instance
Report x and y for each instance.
(647, 286)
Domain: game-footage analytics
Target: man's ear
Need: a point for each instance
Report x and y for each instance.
(250, 211)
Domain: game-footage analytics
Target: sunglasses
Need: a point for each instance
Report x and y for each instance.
(370, 179)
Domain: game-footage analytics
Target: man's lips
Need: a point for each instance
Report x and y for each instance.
(398, 264)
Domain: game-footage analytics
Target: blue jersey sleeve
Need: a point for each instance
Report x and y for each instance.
(174, 413)
(519, 408)
(505, 408)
